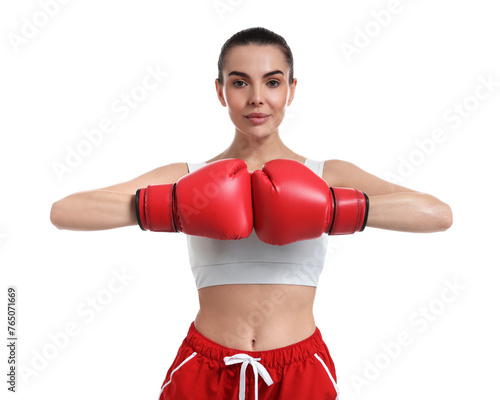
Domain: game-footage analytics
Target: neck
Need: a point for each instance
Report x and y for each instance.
(257, 150)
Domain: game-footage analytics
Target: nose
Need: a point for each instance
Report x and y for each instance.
(256, 97)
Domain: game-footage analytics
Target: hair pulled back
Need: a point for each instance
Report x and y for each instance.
(257, 36)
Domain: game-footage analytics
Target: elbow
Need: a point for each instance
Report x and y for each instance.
(444, 217)
(55, 216)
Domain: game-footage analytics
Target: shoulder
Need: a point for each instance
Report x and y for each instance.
(169, 173)
(174, 171)
(335, 171)
(338, 173)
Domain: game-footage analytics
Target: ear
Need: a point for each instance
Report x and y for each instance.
(292, 92)
(220, 93)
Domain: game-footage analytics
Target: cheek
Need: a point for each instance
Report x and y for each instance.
(278, 99)
(235, 101)
(235, 107)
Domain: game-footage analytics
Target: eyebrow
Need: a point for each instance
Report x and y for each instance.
(243, 74)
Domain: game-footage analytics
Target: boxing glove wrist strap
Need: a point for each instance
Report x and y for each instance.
(350, 211)
(139, 205)
(154, 208)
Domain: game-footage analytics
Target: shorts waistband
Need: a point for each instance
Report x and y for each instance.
(274, 358)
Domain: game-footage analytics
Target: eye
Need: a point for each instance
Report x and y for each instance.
(274, 83)
(239, 83)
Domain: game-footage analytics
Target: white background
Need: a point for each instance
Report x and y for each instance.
(369, 108)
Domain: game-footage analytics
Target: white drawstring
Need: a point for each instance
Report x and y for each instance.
(258, 369)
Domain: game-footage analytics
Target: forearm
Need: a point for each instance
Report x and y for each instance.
(94, 210)
(409, 212)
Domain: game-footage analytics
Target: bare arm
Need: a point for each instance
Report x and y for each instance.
(112, 206)
(392, 206)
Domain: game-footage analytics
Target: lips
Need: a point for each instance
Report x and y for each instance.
(257, 115)
(257, 118)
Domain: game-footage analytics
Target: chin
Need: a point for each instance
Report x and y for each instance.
(258, 132)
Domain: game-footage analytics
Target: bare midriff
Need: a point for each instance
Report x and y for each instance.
(256, 317)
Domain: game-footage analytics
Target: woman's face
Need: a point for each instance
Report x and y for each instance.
(255, 81)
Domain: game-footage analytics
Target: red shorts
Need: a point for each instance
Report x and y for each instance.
(204, 370)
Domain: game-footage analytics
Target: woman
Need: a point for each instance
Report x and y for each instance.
(251, 318)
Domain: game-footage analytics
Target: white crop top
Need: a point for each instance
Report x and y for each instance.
(224, 262)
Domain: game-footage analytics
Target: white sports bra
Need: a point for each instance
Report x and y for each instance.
(251, 261)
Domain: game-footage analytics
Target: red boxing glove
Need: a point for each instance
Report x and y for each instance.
(214, 201)
(293, 203)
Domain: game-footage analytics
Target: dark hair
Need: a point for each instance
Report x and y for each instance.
(259, 36)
